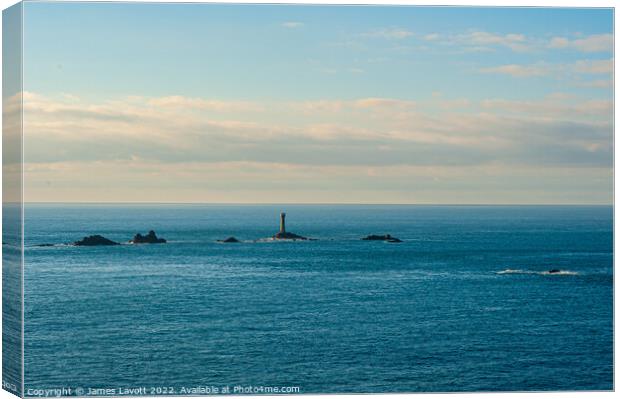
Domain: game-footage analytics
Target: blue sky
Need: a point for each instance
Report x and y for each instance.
(426, 102)
(156, 49)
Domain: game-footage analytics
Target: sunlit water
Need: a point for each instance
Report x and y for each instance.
(465, 303)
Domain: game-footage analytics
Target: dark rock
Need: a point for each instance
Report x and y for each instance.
(150, 238)
(386, 237)
(94, 240)
(288, 236)
(44, 245)
(553, 271)
(229, 240)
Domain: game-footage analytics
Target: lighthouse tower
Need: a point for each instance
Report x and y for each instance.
(282, 225)
(282, 234)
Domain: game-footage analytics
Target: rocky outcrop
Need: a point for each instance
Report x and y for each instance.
(229, 240)
(288, 236)
(95, 240)
(150, 238)
(285, 235)
(554, 271)
(387, 238)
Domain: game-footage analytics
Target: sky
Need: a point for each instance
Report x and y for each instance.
(317, 104)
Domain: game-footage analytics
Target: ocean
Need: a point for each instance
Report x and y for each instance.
(465, 303)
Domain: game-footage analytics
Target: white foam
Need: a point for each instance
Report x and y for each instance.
(513, 271)
(561, 272)
(543, 273)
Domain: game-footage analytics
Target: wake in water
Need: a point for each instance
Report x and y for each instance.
(543, 273)
(49, 245)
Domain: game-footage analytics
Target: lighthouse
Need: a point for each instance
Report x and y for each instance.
(282, 224)
(282, 234)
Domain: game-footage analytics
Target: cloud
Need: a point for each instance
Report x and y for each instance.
(482, 40)
(140, 180)
(552, 107)
(183, 148)
(599, 83)
(375, 102)
(199, 103)
(519, 71)
(589, 44)
(581, 67)
(559, 42)
(248, 182)
(594, 66)
(292, 24)
(334, 71)
(389, 33)
(468, 42)
(320, 132)
(481, 37)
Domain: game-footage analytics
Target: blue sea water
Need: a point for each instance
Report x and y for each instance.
(464, 303)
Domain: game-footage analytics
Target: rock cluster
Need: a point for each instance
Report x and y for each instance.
(94, 240)
(150, 238)
(387, 238)
(229, 240)
(288, 236)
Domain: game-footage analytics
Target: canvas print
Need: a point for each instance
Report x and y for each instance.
(219, 199)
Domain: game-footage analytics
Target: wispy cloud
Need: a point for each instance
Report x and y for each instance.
(432, 36)
(251, 182)
(376, 102)
(292, 24)
(182, 148)
(598, 83)
(200, 103)
(519, 71)
(151, 128)
(478, 40)
(553, 106)
(481, 41)
(389, 33)
(329, 70)
(514, 41)
(588, 44)
(594, 67)
(581, 67)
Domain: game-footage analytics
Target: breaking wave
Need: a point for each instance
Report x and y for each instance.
(543, 273)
